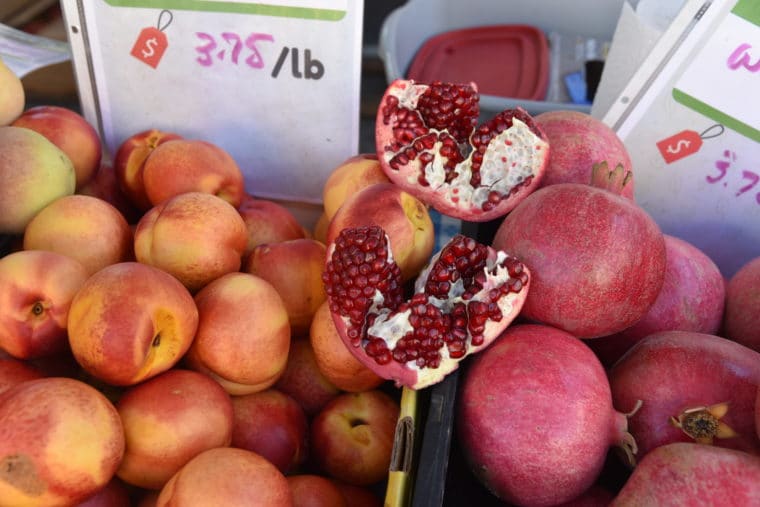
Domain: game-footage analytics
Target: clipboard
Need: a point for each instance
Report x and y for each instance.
(276, 84)
(690, 118)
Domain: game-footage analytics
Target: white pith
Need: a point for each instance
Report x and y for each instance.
(511, 156)
(391, 327)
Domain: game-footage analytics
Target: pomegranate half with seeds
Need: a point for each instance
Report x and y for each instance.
(428, 144)
(466, 296)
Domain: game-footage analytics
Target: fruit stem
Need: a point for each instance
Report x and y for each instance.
(623, 439)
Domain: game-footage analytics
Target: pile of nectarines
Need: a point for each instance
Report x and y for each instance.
(164, 334)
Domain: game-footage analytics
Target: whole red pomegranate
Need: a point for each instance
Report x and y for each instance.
(597, 259)
(691, 299)
(579, 141)
(694, 387)
(743, 306)
(427, 144)
(535, 418)
(691, 474)
(462, 300)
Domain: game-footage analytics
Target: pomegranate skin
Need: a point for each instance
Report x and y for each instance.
(681, 474)
(743, 306)
(578, 141)
(535, 418)
(673, 371)
(598, 259)
(691, 299)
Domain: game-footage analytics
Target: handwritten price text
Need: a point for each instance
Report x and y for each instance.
(724, 164)
(230, 47)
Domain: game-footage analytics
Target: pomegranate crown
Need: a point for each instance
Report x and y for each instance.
(612, 180)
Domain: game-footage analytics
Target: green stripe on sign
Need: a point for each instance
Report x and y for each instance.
(719, 116)
(749, 10)
(235, 7)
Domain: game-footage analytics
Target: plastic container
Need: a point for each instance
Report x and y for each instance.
(518, 57)
(566, 25)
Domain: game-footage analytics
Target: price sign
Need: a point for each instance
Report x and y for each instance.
(691, 122)
(276, 84)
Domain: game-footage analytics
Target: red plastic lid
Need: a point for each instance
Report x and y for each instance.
(502, 60)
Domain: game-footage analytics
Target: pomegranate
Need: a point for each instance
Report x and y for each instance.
(694, 387)
(579, 141)
(743, 305)
(428, 144)
(535, 417)
(757, 413)
(681, 473)
(462, 300)
(691, 299)
(598, 259)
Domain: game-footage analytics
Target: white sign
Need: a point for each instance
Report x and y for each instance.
(690, 119)
(276, 84)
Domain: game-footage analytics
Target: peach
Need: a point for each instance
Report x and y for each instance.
(129, 163)
(84, 228)
(268, 222)
(227, 476)
(303, 380)
(354, 174)
(15, 371)
(403, 217)
(33, 173)
(178, 166)
(294, 268)
(352, 437)
(196, 237)
(36, 290)
(320, 228)
(12, 95)
(114, 494)
(68, 130)
(359, 496)
(243, 334)
(61, 441)
(334, 359)
(168, 420)
(129, 322)
(272, 424)
(104, 185)
(311, 490)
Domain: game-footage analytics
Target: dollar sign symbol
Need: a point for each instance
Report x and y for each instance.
(150, 44)
(678, 146)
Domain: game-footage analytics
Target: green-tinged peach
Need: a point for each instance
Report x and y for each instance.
(168, 420)
(33, 173)
(196, 237)
(243, 335)
(36, 290)
(12, 95)
(61, 441)
(82, 227)
(129, 322)
(71, 132)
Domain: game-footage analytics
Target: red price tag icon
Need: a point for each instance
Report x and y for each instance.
(152, 42)
(685, 143)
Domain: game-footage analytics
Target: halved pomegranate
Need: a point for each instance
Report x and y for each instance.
(466, 296)
(427, 143)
